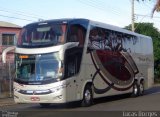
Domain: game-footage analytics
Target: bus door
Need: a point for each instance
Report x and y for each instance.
(73, 58)
(72, 66)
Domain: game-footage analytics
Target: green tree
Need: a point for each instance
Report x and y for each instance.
(149, 30)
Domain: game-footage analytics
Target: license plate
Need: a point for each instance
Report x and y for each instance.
(35, 99)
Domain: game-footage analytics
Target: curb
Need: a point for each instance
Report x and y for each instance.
(1, 105)
(6, 102)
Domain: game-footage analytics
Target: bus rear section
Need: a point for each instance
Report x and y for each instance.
(122, 61)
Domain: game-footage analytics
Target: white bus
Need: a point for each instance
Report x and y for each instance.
(65, 60)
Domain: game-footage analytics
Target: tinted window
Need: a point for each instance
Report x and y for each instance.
(42, 35)
(105, 39)
(76, 33)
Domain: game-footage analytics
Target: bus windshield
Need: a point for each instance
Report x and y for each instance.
(38, 68)
(44, 35)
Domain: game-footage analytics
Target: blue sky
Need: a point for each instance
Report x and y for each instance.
(115, 12)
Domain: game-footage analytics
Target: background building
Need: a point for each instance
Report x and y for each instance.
(8, 36)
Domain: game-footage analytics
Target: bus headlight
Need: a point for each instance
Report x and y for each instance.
(55, 89)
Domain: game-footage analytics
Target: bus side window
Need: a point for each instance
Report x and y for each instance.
(71, 68)
(70, 64)
(76, 34)
(73, 56)
(73, 38)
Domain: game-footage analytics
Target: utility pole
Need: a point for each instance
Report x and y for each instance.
(132, 17)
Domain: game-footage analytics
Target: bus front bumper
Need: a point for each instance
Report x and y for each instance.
(56, 97)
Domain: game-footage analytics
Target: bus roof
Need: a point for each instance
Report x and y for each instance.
(116, 28)
(96, 23)
(66, 20)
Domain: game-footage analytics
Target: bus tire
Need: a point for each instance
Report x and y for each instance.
(45, 105)
(141, 88)
(87, 96)
(135, 91)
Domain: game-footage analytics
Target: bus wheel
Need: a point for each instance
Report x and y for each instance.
(87, 96)
(135, 91)
(141, 88)
(45, 105)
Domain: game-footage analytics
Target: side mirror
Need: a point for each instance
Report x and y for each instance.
(5, 51)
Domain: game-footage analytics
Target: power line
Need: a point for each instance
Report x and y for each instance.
(148, 5)
(19, 14)
(16, 18)
(146, 16)
(98, 5)
(91, 4)
(28, 16)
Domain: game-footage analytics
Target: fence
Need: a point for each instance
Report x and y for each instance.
(7, 72)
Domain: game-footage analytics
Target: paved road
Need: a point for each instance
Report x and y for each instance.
(117, 106)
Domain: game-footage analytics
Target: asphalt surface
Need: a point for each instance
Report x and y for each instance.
(147, 105)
